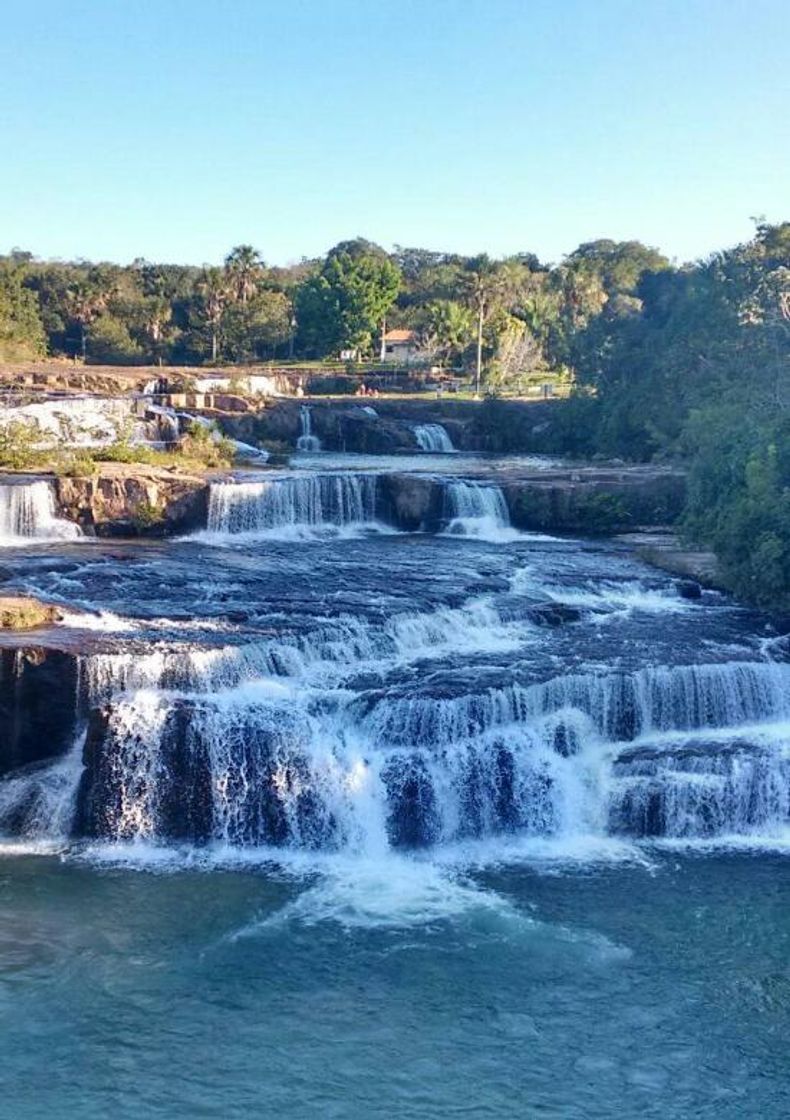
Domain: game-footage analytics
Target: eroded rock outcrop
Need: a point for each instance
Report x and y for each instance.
(133, 500)
(20, 612)
(595, 500)
(412, 502)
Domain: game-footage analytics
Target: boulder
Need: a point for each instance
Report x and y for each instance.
(412, 502)
(20, 612)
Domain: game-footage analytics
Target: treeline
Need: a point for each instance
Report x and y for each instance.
(500, 319)
(695, 365)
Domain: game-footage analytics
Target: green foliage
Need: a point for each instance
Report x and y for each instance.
(147, 515)
(344, 305)
(447, 329)
(21, 445)
(108, 342)
(204, 445)
(255, 328)
(696, 363)
(21, 329)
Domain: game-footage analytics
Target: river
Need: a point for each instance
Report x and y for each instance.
(465, 822)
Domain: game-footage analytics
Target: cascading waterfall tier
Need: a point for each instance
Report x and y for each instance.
(307, 441)
(27, 514)
(293, 504)
(433, 437)
(394, 694)
(263, 746)
(476, 509)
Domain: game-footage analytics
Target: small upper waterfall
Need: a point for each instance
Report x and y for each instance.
(27, 513)
(307, 441)
(476, 509)
(433, 437)
(293, 505)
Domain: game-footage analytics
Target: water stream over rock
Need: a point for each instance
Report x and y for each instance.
(445, 788)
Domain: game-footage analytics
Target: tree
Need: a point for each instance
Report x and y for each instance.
(485, 287)
(255, 329)
(619, 265)
(21, 330)
(447, 328)
(85, 301)
(518, 353)
(110, 343)
(244, 267)
(214, 294)
(345, 304)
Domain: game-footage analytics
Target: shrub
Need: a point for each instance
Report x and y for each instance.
(147, 515)
(21, 445)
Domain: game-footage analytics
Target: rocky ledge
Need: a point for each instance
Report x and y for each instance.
(590, 501)
(39, 701)
(20, 612)
(132, 500)
(595, 500)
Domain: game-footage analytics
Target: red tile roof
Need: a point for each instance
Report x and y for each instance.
(399, 336)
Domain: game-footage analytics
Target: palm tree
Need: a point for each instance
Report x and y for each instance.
(448, 328)
(157, 314)
(213, 288)
(244, 266)
(485, 284)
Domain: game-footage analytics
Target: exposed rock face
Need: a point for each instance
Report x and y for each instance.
(595, 500)
(697, 567)
(134, 500)
(413, 502)
(352, 429)
(340, 427)
(39, 700)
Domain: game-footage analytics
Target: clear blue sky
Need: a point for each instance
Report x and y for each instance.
(174, 129)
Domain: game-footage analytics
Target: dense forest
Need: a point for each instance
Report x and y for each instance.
(690, 363)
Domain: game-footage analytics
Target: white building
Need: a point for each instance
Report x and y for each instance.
(399, 346)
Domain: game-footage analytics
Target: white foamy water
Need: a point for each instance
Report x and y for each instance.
(27, 514)
(476, 509)
(611, 597)
(307, 441)
(433, 438)
(82, 421)
(294, 507)
(359, 729)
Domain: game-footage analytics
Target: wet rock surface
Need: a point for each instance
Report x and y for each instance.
(39, 703)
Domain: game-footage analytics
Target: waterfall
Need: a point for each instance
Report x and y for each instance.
(433, 437)
(475, 509)
(79, 421)
(27, 513)
(307, 441)
(40, 802)
(260, 745)
(703, 788)
(294, 505)
(262, 763)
